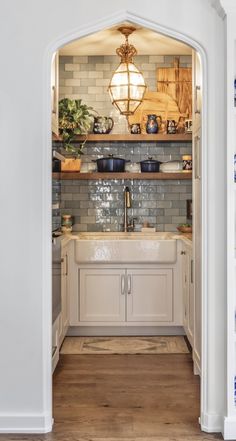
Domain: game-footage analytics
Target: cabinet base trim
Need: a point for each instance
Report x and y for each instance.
(211, 423)
(74, 331)
(25, 423)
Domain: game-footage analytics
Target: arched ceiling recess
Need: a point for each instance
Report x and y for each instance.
(105, 42)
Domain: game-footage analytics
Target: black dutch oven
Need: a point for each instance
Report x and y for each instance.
(150, 165)
(110, 164)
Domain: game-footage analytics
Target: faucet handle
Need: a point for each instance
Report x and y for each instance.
(131, 225)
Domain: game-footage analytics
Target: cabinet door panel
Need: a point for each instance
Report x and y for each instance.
(64, 294)
(197, 91)
(101, 298)
(191, 301)
(54, 92)
(185, 281)
(150, 298)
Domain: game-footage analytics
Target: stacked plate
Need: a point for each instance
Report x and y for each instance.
(171, 167)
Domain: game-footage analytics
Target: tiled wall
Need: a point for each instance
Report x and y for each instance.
(88, 78)
(98, 205)
(56, 202)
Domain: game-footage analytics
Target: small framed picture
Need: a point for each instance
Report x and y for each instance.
(189, 209)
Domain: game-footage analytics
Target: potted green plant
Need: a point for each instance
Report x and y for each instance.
(75, 118)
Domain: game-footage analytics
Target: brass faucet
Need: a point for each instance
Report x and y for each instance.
(127, 204)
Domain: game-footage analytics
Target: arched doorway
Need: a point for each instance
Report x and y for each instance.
(47, 153)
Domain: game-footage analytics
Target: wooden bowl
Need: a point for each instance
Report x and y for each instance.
(183, 229)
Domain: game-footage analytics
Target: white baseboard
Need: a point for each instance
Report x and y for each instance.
(120, 330)
(25, 423)
(229, 431)
(211, 423)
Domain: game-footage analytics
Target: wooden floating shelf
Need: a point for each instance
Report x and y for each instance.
(125, 175)
(132, 138)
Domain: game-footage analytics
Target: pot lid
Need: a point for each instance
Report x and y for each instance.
(111, 157)
(150, 160)
(172, 162)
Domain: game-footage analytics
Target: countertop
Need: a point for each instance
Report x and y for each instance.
(185, 237)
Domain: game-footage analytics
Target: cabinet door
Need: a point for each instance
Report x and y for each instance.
(102, 295)
(54, 92)
(191, 301)
(64, 293)
(197, 91)
(188, 292)
(185, 281)
(197, 241)
(149, 295)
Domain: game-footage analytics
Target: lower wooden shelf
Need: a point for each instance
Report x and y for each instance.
(124, 175)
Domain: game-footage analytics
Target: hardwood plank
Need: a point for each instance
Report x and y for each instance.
(124, 398)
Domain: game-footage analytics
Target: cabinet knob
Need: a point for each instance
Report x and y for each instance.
(183, 252)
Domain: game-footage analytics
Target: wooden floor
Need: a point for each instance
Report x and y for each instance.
(124, 398)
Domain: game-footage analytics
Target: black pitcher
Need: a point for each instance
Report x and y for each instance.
(103, 124)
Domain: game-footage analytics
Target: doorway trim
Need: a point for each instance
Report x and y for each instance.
(208, 423)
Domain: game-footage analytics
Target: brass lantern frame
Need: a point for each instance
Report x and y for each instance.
(127, 51)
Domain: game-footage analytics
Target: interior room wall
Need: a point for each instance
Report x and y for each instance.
(29, 33)
(88, 78)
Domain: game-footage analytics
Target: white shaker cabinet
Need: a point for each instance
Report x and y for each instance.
(125, 295)
(64, 294)
(197, 208)
(188, 292)
(149, 295)
(102, 295)
(191, 309)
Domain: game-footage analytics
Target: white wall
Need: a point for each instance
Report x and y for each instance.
(28, 29)
(230, 416)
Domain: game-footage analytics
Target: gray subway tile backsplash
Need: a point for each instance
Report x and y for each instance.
(97, 205)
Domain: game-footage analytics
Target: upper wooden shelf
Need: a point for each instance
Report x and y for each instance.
(125, 175)
(132, 138)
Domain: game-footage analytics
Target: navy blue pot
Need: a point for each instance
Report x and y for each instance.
(150, 165)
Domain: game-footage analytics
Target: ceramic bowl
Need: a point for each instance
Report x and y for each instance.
(183, 229)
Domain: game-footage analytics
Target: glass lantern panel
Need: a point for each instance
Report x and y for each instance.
(133, 105)
(132, 67)
(137, 78)
(119, 92)
(136, 92)
(121, 68)
(119, 78)
(122, 105)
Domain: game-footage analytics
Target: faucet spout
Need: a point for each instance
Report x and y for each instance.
(127, 204)
(127, 197)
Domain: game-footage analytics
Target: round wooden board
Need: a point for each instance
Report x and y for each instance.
(155, 103)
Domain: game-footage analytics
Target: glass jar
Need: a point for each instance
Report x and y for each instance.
(187, 162)
(66, 223)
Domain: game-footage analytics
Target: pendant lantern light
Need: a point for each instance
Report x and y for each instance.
(127, 86)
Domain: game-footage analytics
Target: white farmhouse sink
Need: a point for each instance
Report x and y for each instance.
(125, 248)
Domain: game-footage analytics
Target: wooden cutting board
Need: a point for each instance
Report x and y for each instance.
(177, 83)
(157, 103)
